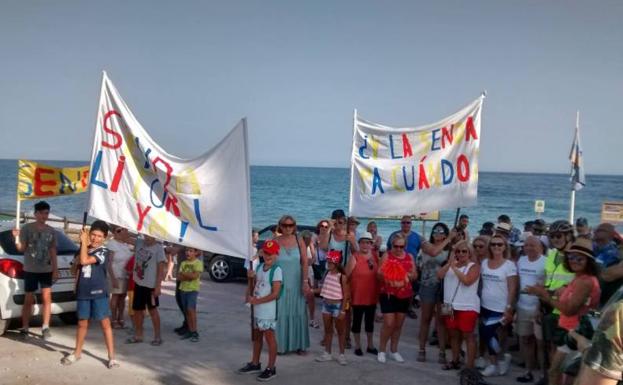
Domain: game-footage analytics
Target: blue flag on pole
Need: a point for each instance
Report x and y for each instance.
(578, 179)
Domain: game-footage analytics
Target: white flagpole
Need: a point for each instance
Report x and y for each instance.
(352, 165)
(18, 204)
(572, 203)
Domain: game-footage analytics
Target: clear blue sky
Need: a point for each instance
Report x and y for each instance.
(297, 69)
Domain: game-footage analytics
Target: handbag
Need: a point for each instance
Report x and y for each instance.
(446, 308)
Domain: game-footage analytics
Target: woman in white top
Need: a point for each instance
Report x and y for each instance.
(497, 301)
(120, 253)
(460, 290)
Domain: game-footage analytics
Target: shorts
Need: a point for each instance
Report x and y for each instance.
(430, 294)
(462, 320)
(189, 299)
(34, 281)
(265, 324)
(93, 309)
(393, 304)
(144, 298)
(122, 289)
(333, 309)
(526, 325)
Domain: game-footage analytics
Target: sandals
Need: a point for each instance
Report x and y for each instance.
(69, 359)
(442, 358)
(133, 340)
(156, 342)
(452, 365)
(112, 364)
(421, 356)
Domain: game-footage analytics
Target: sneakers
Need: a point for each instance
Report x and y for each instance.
(324, 357)
(490, 370)
(194, 337)
(397, 357)
(267, 375)
(372, 351)
(341, 359)
(182, 330)
(46, 334)
(314, 324)
(23, 333)
(505, 364)
(480, 363)
(358, 352)
(381, 358)
(250, 368)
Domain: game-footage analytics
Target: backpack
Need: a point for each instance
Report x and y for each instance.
(271, 273)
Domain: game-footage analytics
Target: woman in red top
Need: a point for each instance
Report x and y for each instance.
(573, 300)
(362, 270)
(396, 274)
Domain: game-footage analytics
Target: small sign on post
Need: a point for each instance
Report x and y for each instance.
(539, 207)
(612, 212)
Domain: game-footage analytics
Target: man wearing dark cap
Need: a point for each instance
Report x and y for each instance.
(487, 229)
(582, 229)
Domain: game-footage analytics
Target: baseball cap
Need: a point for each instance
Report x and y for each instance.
(271, 247)
(336, 214)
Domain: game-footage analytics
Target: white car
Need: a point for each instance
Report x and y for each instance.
(12, 282)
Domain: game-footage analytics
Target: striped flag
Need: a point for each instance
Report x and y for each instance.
(578, 179)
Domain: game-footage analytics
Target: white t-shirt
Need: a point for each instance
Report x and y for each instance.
(494, 286)
(147, 259)
(530, 274)
(466, 297)
(120, 258)
(268, 310)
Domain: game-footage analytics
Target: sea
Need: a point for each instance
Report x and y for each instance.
(311, 193)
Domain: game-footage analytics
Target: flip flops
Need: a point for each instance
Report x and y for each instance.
(156, 342)
(133, 340)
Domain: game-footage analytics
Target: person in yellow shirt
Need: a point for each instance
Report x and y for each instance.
(190, 277)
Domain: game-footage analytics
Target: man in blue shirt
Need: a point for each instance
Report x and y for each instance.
(605, 249)
(414, 240)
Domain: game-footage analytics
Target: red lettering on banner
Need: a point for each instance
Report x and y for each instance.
(141, 215)
(118, 172)
(462, 168)
(171, 204)
(118, 139)
(406, 146)
(470, 129)
(85, 178)
(40, 183)
(167, 166)
(447, 136)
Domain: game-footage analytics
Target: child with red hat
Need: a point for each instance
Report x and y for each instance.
(268, 284)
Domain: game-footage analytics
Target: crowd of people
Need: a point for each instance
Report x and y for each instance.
(536, 288)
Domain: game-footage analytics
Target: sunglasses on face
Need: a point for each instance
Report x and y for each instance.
(405, 223)
(288, 224)
(461, 251)
(496, 244)
(576, 258)
(398, 246)
(324, 226)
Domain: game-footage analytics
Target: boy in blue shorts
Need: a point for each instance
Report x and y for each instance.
(92, 290)
(268, 280)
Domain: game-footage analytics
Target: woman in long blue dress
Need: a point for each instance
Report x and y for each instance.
(292, 326)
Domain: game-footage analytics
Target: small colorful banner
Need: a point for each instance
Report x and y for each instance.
(407, 171)
(37, 180)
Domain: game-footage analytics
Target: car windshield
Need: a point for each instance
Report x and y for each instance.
(64, 245)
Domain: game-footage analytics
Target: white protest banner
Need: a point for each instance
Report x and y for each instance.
(406, 171)
(202, 202)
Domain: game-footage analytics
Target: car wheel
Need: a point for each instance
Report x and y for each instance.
(69, 318)
(219, 269)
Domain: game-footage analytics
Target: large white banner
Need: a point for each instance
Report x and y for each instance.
(413, 170)
(202, 202)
